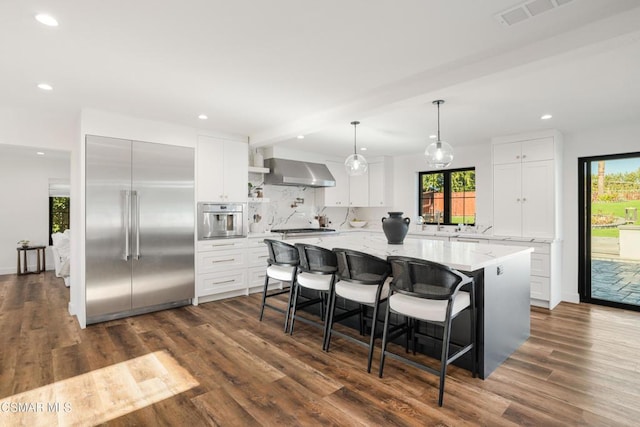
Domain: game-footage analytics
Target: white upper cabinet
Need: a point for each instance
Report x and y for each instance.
(524, 151)
(380, 183)
(526, 187)
(359, 190)
(222, 170)
(338, 195)
(372, 189)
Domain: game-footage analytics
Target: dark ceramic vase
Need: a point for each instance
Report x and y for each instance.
(395, 228)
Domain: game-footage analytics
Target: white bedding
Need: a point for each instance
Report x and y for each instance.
(61, 253)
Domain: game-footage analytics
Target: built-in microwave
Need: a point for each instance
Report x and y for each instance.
(220, 221)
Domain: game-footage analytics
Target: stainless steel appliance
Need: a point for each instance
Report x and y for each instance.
(294, 172)
(139, 227)
(219, 221)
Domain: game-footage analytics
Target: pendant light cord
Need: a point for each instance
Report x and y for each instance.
(355, 124)
(438, 121)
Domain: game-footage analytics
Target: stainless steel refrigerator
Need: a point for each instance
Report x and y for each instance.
(139, 227)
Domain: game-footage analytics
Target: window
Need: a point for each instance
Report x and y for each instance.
(448, 197)
(58, 215)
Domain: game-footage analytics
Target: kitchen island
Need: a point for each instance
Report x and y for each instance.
(502, 285)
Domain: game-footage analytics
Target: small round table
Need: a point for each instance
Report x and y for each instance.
(40, 255)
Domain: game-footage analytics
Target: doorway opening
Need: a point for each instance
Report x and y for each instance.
(610, 230)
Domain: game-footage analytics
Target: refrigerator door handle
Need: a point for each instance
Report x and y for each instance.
(137, 218)
(126, 220)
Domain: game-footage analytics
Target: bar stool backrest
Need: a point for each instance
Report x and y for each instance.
(281, 253)
(359, 267)
(425, 279)
(315, 259)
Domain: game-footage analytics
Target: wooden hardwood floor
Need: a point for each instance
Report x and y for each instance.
(580, 367)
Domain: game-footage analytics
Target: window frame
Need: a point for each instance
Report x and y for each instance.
(446, 193)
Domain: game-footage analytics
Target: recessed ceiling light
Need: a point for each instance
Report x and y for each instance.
(47, 20)
(300, 137)
(40, 153)
(203, 117)
(545, 117)
(363, 148)
(45, 86)
(433, 136)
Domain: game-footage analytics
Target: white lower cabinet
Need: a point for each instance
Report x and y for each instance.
(258, 254)
(221, 269)
(545, 281)
(222, 282)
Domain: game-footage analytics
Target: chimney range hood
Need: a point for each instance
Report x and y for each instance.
(294, 172)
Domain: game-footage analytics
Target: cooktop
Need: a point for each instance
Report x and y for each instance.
(302, 230)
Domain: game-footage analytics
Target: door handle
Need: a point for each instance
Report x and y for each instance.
(137, 218)
(126, 221)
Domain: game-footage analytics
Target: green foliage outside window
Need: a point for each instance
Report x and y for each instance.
(59, 208)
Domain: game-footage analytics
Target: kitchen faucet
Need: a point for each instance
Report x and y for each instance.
(439, 220)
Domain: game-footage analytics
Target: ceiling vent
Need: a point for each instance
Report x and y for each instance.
(527, 10)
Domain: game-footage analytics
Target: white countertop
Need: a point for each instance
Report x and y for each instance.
(459, 255)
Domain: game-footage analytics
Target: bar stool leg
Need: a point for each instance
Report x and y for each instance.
(296, 291)
(384, 339)
(264, 295)
(332, 306)
(373, 335)
(444, 362)
(287, 314)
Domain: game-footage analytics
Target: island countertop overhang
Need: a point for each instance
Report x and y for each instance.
(463, 256)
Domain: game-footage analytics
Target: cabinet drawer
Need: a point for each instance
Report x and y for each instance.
(540, 287)
(540, 265)
(258, 257)
(256, 276)
(209, 284)
(257, 243)
(221, 244)
(213, 261)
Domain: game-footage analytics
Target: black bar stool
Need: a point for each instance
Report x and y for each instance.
(425, 291)
(317, 271)
(362, 278)
(282, 265)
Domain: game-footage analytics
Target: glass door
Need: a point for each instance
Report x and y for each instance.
(610, 230)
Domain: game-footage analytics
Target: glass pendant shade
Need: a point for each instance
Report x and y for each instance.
(439, 154)
(356, 164)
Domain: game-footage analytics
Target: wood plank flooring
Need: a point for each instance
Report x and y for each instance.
(580, 367)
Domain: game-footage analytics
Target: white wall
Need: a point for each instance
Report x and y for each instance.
(595, 142)
(24, 191)
(405, 180)
(37, 128)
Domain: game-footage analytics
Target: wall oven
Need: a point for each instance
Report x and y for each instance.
(221, 221)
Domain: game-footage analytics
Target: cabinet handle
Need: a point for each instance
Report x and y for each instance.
(223, 260)
(263, 256)
(524, 156)
(518, 199)
(223, 244)
(224, 281)
(524, 199)
(517, 157)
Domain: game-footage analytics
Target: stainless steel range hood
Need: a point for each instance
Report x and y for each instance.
(294, 172)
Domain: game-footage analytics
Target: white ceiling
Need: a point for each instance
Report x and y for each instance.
(275, 69)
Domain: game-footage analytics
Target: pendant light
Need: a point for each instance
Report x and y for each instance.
(356, 164)
(439, 154)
